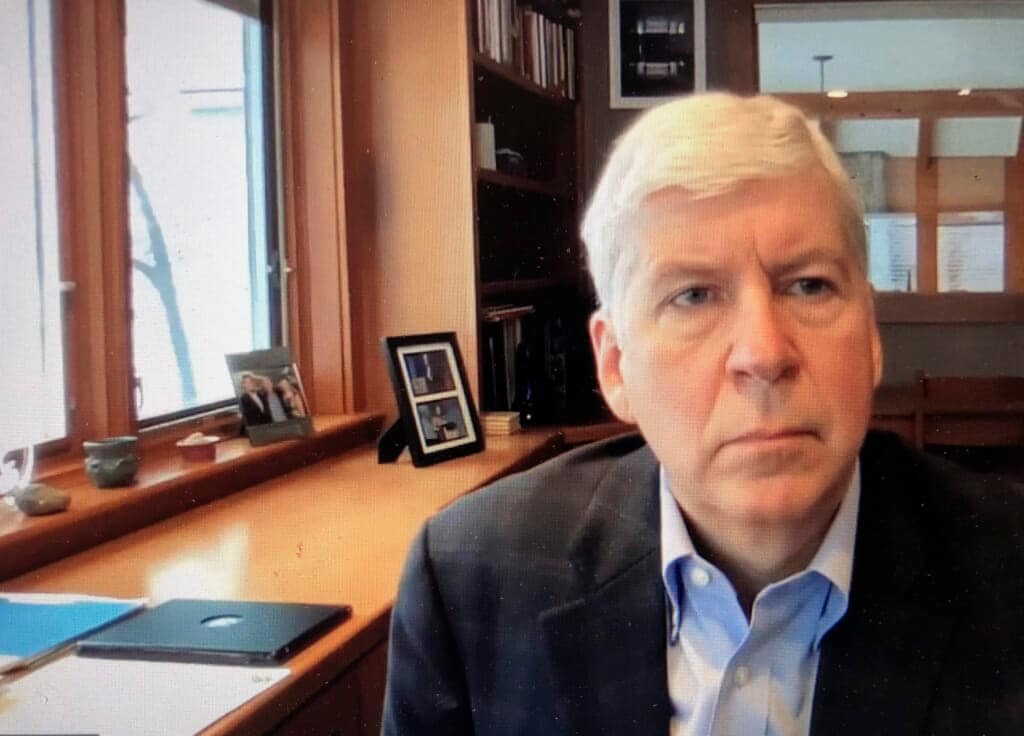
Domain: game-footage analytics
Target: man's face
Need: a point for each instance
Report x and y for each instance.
(745, 349)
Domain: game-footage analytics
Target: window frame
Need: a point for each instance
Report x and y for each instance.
(305, 179)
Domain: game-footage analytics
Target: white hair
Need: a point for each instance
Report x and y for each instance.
(707, 144)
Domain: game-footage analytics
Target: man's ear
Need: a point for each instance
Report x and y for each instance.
(608, 358)
(877, 358)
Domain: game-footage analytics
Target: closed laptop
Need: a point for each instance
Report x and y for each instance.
(213, 631)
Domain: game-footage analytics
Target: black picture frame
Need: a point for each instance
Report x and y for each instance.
(287, 415)
(437, 417)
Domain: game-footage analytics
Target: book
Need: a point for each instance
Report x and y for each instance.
(500, 422)
(34, 625)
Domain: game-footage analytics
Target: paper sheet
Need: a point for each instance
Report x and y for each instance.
(114, 697)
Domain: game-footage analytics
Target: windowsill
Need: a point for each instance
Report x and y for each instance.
(166, 485)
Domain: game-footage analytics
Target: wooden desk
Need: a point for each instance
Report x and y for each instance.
(334, 532)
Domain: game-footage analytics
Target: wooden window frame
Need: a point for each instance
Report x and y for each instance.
(927, 305)
(91, 113)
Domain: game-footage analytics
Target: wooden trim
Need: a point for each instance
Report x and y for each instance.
(948, 308)
(314, 206)
(93, 191)
(927, 210)
(930, 103)
(1014, 221)
(166, 485)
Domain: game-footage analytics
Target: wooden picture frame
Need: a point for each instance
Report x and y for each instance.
(436, 411)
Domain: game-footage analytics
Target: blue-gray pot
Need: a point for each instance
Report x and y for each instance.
(111, 462)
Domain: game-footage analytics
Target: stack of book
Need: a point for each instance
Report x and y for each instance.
(499, 423)
(539, 48)
(503, 333)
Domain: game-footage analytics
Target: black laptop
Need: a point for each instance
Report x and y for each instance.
(217, 632)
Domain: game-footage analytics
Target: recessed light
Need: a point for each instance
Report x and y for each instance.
(964, 92)
(837, 94)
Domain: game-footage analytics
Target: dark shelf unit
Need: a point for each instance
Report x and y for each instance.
(528, 249)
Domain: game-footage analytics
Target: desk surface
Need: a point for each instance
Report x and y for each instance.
(334, 532)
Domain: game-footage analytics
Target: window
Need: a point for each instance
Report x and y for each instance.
(138, 209)
(31, 319)
(200, 199)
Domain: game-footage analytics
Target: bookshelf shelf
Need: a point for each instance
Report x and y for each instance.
(522, 183)
(518, 286)
(487, 70)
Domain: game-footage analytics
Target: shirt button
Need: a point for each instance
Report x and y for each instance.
(699, 577)
(741, 676)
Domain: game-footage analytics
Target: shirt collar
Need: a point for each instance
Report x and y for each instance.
(833, 560)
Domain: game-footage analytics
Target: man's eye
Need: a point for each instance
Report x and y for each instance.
(811, 286)
(694, 296)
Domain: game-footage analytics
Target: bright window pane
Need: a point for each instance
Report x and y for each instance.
(32, 356)
(971, 247)
(197, 199)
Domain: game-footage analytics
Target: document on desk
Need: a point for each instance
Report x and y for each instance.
(34, 625)
(124, 697)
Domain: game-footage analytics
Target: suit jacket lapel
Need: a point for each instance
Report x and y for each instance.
(607, 647)
(879, 664)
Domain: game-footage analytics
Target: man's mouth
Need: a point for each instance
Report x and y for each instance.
(768, 437)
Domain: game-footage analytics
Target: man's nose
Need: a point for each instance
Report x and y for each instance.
(762, 347)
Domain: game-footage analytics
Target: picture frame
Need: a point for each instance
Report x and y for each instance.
(656, 51)
(437, 418)
(271, 398)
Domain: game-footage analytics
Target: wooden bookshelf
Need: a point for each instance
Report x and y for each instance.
(526, 220)
(441, 238)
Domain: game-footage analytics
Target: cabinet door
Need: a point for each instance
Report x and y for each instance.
(349, 705)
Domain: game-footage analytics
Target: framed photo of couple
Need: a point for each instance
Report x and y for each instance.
(435, 408)
(270, 395)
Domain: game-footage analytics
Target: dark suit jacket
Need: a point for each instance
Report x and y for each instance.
(536, 606)
(252, 412)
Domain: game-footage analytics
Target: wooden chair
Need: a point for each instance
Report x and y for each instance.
(968, 411)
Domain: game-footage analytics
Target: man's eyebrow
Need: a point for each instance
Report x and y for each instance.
(678, 270)
(811, 257)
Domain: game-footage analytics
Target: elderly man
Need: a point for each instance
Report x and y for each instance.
(754, 562)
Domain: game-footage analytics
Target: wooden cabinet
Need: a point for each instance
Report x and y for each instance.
(434, 239)
(349, 705)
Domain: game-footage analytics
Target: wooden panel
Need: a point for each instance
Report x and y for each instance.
(910, 104)
(166, 485)
(971, 183)
(313, 199)
(894, 308)
(927, 180)
(408, 180)
(1015, 224)
(334, 711)
(371, 678)
(93, 191)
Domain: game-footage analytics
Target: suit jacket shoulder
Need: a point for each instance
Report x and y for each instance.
(535, 605)
(933, 640)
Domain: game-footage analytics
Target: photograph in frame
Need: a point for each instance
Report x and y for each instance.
(436, 410)
(271, 398)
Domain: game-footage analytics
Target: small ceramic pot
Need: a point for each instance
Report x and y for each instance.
(111, 462)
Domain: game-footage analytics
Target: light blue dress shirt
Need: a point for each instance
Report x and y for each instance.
(731, 677)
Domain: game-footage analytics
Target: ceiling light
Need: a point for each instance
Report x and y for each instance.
(837, 94)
